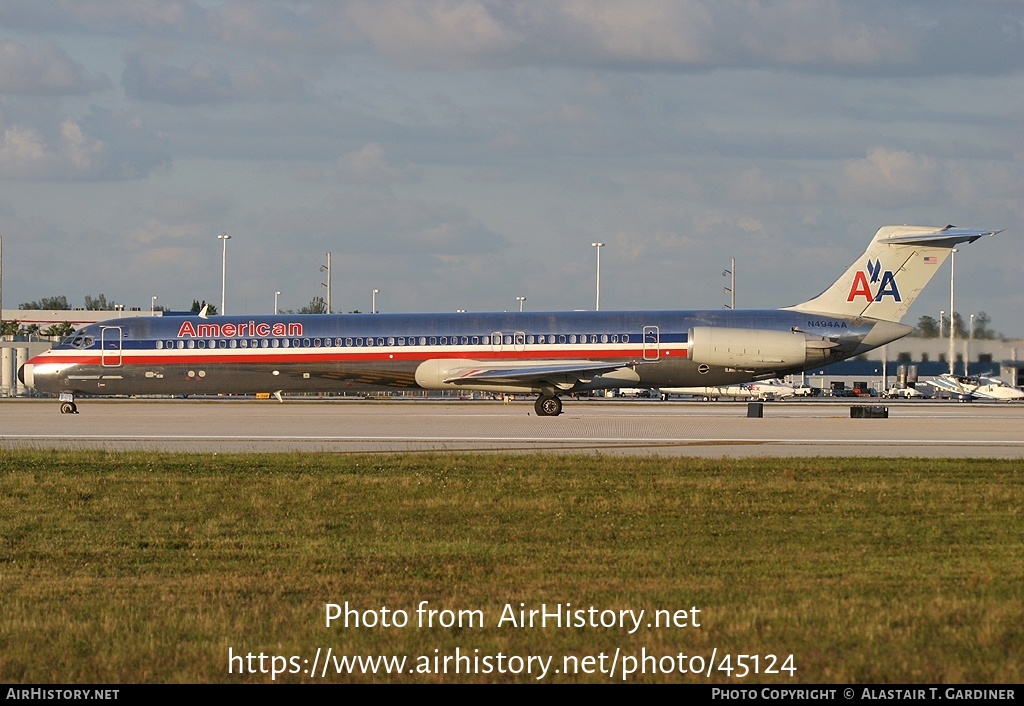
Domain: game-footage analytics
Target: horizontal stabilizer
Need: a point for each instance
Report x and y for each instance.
(948, 237)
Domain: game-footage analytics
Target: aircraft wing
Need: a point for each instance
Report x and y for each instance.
(950, 384)
(560, 373)
(947, 384)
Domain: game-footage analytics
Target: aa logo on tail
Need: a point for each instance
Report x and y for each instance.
(883, 282)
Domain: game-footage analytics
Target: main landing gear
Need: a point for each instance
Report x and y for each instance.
(548, 406)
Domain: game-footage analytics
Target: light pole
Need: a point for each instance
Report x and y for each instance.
(520, 300)
(373, 301)
(597, 303)
(731, 289)
(276, 295)
(224, 238)
(952, 328)
(970, 344)
(327, 268)
(152, 305)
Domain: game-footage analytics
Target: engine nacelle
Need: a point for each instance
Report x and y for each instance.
(756, 349)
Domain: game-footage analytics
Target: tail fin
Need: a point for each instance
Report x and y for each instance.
(887, 278)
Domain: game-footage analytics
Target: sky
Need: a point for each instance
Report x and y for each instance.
(458, 154)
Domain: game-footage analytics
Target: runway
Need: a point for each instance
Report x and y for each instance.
(721, 429)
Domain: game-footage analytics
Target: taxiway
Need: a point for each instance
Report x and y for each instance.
(913, 429)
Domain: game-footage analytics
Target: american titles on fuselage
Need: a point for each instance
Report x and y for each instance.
(242, 329)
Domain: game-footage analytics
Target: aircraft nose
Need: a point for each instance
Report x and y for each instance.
(25, 375)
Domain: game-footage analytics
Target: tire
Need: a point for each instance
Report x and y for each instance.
(548, 406)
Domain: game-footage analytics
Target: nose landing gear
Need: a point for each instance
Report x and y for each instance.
(67, 404)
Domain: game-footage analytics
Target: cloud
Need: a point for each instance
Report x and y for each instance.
(43, 70)
(830, 37)
(753, 186)
(892, 178)
(385, 224)
(66, 147)
(105, 17)
(196, 84)
(23, 151)
(80, 150)
(207, 83)
(370, 165)
(833, 37)
(438, 33)
(27, 153)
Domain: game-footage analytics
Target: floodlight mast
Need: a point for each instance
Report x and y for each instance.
(224, 238)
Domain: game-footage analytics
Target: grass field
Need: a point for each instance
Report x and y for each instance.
(150, 567)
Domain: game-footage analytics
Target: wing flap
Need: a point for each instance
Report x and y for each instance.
(522, 375)
(534, 372)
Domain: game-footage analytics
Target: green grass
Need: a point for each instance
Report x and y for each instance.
(148, 567)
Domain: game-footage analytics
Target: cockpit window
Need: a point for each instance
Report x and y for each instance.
(77, 340)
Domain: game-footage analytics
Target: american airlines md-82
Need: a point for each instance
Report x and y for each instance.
(543, 353)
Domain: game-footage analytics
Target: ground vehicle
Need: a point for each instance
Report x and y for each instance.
(905, 393)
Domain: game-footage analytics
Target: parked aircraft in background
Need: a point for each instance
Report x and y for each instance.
(764, 390)
(544, 353)
(979, 387)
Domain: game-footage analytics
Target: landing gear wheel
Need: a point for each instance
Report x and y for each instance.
(68, 408)
(548, 406)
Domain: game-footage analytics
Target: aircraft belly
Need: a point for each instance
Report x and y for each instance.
(686, 373)
(327, 376)
(231, 378)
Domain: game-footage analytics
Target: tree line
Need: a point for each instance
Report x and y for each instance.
(57, 303)
(60, 303)
(929, 327)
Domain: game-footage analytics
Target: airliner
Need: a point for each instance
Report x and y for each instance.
(981, 387)
(773, 389)
(548, 354)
